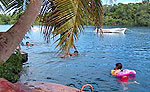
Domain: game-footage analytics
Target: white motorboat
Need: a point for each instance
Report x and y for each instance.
(112, 30)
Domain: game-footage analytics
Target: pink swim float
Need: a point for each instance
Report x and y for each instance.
(126, 72)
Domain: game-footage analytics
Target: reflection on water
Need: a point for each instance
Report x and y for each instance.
(98, 55)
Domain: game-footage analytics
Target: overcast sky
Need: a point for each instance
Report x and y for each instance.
(123, 1)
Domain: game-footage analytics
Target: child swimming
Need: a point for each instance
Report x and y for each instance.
(116, 69)
(123, 79)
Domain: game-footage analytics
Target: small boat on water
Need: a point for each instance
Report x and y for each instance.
(112, 30)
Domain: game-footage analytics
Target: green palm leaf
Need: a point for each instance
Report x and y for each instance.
(15, 6)
(68, 19)
(64, 19)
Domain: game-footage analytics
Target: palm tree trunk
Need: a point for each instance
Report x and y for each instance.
(11, 39)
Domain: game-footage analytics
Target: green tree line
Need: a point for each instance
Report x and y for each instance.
(9, 19)
(132, 14)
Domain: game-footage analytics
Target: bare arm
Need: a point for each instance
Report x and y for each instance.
(63, 56)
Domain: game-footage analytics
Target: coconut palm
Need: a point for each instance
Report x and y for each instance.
(9, 40)
(63, 18)
(68, 18)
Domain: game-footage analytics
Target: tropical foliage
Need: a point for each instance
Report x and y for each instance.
(137, 14)
(67, 19)
(12, 67)
(8, 19)
(15, 6)
(63, 18)
(121, 14)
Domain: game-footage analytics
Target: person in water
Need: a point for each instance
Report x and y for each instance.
(117, 69)
(29, 44)
(70, 54)
(123, 79)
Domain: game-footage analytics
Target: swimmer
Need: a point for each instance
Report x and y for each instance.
(124, 79)
(116, 69)
(70, 54)
(29, 44)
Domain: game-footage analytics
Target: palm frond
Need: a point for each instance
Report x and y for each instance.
(67, 19)
(15, 6)
(4, 2)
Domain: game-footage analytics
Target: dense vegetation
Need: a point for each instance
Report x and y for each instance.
(8, 19)
(131, 14)
(12, 67)
(137, 14)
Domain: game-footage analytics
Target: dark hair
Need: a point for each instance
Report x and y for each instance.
(118, 66)
(76, 51)
(27, 42)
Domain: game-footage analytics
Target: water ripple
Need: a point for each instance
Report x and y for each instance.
(97, 56)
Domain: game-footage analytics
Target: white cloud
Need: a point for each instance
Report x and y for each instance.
(126, 2)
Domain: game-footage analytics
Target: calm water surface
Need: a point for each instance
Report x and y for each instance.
(98, 55)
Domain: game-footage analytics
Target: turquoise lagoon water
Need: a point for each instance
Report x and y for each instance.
(98, 55)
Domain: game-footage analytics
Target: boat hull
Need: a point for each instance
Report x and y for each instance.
(113, 30)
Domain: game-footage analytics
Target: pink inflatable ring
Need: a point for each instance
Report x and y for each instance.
(125, 72)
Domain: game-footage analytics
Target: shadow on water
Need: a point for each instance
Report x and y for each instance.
(98, 55)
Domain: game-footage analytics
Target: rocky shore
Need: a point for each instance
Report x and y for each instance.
(6, 86)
